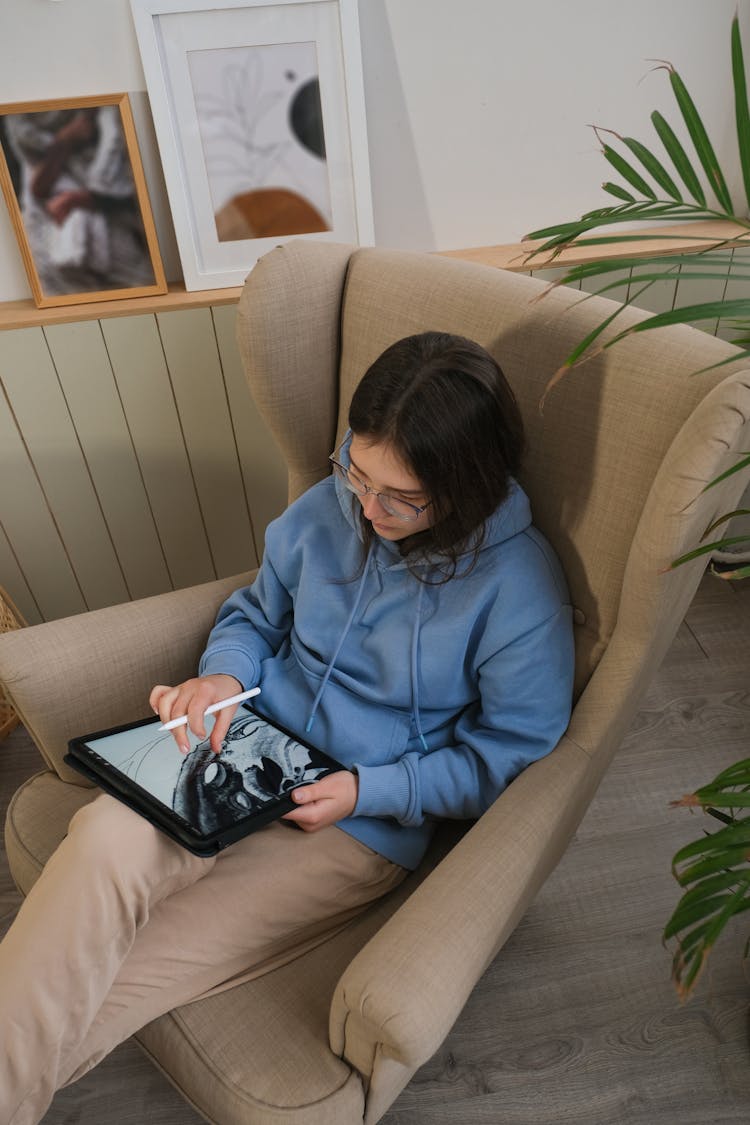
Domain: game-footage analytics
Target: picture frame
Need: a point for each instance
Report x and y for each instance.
(73, 181)
(259, 115)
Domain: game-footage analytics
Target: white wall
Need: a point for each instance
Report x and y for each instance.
(477, 109)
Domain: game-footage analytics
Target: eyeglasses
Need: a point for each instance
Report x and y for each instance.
(393, 505)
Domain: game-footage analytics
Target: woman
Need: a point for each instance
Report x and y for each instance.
(409, 620)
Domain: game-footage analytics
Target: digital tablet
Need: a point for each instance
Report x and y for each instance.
(202, 800)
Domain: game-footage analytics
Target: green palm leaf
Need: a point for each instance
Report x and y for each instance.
(688, 965)
(679, 157)
(708, 549)
(731, 840)
(690, 940)
(686, 915)
(654, 167)
(586, 343)
(716, 870)
(618, 192)
(711, 886)
(736, 774)
(569, 235)
(707, 310)
(699, 137)
(720, 799)
(690, 266)
(605, 216)
(628, 172)
(728, 846)
(742, 464)
(612, 239)
(652, 278)
(725, 518)
(630, 208)
(720, 363)
(742, 113)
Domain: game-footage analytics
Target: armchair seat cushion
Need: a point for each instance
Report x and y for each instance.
(37, 819)
(271, 1068)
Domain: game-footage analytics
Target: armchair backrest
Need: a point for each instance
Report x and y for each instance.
(616, 462)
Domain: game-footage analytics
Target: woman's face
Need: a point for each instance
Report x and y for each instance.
(377, 466)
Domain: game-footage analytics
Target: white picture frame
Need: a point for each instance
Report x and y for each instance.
(259, 115)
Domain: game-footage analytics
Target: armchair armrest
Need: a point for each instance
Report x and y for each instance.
(96, 669)
(399, 997)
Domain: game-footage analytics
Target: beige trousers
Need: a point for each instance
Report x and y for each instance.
(124, 925)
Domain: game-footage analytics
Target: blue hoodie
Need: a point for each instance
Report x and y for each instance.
(437, 696)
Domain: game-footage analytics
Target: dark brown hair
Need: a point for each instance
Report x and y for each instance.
(445, 408)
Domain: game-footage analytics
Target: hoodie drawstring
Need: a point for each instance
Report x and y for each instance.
(347, 627)
(414, 660)
(415, 668)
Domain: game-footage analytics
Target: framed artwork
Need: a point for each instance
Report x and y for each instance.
(259, 115)
(73, 181)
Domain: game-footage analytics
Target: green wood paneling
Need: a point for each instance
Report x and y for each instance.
(85, 373)
(27, 522)
(697, 290)
(619, 279)
(142, 378)
(15, 584)
(41, 412)
(735, 290)
(202, 404)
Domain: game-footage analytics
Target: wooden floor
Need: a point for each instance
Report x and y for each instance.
(576, 1021)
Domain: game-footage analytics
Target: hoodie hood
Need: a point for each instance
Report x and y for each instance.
(510, 518)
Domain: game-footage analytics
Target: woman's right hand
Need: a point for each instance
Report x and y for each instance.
(191, 698)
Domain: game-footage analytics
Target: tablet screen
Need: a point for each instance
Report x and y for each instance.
(259, 764)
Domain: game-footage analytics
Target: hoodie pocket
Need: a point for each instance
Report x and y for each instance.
(347, 726)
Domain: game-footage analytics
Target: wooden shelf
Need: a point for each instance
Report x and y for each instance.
(672, 239)
(516, 256)
(25, 314)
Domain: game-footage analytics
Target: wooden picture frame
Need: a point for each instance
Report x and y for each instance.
(72, 177)
(259, 112)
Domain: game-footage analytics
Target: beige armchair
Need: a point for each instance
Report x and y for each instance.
(616, 468)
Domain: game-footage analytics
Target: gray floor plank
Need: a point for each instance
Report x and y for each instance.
(576, 1021)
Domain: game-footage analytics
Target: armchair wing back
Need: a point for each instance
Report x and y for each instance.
(616, 470)
(593, 468)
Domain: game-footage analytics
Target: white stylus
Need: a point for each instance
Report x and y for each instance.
(182, 721)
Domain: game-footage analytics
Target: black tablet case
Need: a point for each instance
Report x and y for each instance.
(202, 800)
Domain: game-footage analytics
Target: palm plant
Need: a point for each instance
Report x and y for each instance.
(714, 870)
(652, 192)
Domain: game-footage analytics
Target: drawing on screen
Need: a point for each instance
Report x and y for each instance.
(257, 765)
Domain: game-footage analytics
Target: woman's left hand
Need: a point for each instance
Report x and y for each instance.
(324, 802)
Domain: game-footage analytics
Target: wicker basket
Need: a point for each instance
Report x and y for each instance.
(10, 618)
